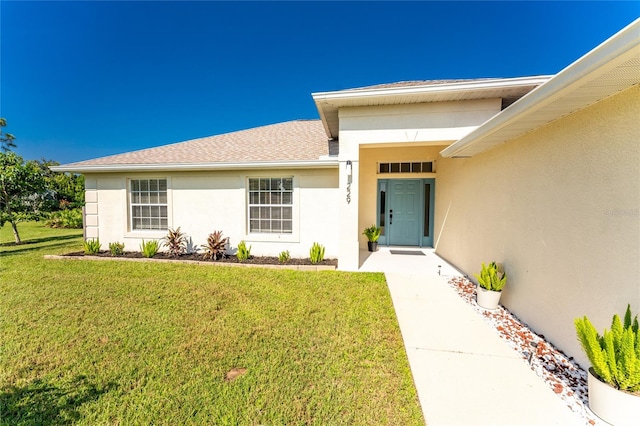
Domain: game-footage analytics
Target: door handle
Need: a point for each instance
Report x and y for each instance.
(390, 217)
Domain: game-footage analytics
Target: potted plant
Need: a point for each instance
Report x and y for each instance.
(372, 233)
(614, 376)
(491, 281)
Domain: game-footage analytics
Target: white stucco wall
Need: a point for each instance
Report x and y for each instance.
(559, 206)
(203, 202)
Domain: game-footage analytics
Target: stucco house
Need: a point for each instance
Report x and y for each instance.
(540, 173)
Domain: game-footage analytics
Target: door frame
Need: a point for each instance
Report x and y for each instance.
(424, 241)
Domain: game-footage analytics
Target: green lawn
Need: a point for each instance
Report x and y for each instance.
(92, 342)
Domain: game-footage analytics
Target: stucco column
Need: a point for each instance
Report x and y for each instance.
(348, 248)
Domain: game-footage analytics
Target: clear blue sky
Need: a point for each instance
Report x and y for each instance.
(80, 80)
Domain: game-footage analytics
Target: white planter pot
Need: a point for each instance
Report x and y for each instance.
(487, 299)
(612, 405)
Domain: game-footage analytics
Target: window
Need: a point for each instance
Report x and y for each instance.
(148, 204)
(407, 167)
(271, 205)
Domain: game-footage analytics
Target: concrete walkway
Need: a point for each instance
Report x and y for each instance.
(463, 372)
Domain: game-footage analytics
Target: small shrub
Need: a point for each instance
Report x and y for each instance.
(372, 233)
(284, 256)
(492, 277)
(614, 356)
(70, 219)
(116, 249)
(175, 242)
(243, 252)
(215, 246)
(149, 248)
(316, 254)
(92, 246)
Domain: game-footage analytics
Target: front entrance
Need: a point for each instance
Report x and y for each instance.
(405, 211)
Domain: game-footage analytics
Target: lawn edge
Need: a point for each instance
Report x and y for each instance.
(315, 268)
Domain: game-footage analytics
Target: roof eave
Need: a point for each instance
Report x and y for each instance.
(329, 102)
(113, 168)
(614, 51)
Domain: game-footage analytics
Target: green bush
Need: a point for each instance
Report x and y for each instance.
(284, 256)
(243, 252)
(216, 245)
(71, 219)
(116, 249)
(92, 246)
(614, 356)
(149, 248)
(492, 277)
(175, 242)
(316, 254)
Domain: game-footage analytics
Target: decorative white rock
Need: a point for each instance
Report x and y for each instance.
(612, 405)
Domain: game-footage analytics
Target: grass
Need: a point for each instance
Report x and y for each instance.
(90, 342)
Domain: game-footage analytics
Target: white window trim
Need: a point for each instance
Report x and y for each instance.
(294, 236)
(147, 233)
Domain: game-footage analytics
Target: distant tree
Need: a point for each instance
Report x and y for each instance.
(21, 188)
(6, 139)
(67, 189)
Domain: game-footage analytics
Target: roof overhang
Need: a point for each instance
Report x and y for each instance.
(111, 168)
(608, 69)
(328, 103)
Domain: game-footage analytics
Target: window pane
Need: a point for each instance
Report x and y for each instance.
(265, 226)
(427, 167)
(163, 211)
(276, 212)
(276, 185)
(276, 226)
(135, 197)
(162, 198)
(287, 198)
(137, 223)
(254, 197)
(287, 183)
(135, 185)
(144, 198)
(286, 226)
(395, 167)
(276, 197)
(265, 213)
(384, 167)
(405, 167)
(144, 185)
(264, 184)
(162, 183)
(286, 212)
(416, 167)
(264, 198)
(153, 184)
(164, 224)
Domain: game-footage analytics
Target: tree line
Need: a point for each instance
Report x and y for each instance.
(30, 190)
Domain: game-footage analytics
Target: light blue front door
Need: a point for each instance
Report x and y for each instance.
(404, 212)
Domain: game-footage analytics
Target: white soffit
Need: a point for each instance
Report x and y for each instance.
(608, 69)
(328, 103)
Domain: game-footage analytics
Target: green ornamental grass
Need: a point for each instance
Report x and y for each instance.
(93, 342)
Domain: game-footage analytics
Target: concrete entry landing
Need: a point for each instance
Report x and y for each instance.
(463, 372)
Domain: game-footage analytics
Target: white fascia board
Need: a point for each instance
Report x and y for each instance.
(437, 88)
(599, 60)
(113, 168)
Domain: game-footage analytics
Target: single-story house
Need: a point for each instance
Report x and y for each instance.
(539, 173)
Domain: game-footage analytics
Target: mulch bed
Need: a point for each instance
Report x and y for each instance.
(253, 260)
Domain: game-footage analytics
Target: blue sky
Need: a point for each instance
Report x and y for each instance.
(80, 80)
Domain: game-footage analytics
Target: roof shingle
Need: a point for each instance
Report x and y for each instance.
(298, 140)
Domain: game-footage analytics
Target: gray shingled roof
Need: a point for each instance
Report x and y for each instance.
(299, 140)
(414, 83)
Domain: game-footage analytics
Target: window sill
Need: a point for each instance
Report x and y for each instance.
(146, 234)
(274, 238)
